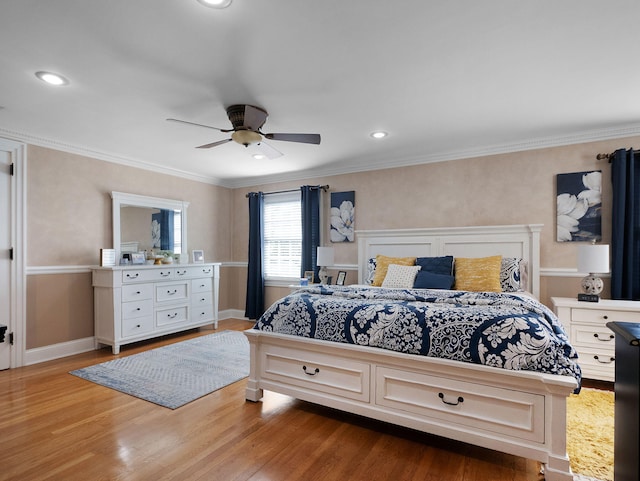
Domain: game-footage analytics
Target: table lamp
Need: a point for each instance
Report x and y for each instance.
(592, 259)
(324, 258)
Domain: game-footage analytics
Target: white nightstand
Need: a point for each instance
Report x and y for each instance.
(585, 323)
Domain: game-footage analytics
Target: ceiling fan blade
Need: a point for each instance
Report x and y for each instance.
(254, 118)
(262, 148)
(304, 138)
(213, 144)
(200, 125)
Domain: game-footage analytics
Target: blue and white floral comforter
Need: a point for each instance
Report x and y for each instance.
(506, 330)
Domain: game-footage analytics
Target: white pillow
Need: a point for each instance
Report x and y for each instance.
(400, 276)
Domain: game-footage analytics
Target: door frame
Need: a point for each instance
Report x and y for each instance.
(18, 299)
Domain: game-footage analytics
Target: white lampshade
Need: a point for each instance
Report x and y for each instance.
(593, 258)
(325, 256)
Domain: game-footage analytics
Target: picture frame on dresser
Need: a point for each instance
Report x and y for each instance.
(138, 258)
(197, 256)
(309, 276)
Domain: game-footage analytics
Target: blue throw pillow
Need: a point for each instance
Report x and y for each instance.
(436, 265)
(429, 280)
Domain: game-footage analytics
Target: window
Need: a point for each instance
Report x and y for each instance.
(282, 235)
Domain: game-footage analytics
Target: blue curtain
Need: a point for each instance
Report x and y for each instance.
(165, 219)
(625, 228)
(310, 228)
(254, 306)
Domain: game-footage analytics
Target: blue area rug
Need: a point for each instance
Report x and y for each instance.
(177, 374)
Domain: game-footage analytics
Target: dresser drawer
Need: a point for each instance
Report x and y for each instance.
(328, 374)
(146, 275)
(201, 299)
(201, 285)
(192, 272)
(597, 363)
(135, 309)
(173, 315)
(137, 292)
(602, 316)
(171, 292)
(589, 335)
(477, 406)
(137, 326)
(202, 313)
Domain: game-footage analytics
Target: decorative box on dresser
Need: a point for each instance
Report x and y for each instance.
(133, 303)
(586, 325)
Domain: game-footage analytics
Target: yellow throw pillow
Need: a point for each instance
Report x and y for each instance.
(481, 274)
(382, 264)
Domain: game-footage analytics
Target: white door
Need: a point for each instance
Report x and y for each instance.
(5, 261)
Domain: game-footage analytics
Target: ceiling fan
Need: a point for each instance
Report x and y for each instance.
(247, 120)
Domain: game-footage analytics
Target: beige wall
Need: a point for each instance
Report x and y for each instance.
(69, 217)
(516, 188)
(69, 220)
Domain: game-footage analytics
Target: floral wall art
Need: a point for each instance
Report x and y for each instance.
(342, 216)
(579, 202)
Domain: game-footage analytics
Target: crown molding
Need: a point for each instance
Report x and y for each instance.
(345, 167)
(338, 168)
(107, 157)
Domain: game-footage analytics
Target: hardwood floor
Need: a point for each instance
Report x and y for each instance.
(55, 426)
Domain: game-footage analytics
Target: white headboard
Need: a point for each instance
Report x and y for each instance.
(478, 241)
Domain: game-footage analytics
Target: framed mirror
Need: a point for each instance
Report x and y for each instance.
(142, 223)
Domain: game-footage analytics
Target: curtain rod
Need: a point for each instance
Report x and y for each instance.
(323, 187)
(610, 156)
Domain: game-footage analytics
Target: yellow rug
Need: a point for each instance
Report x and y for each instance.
(590, 417)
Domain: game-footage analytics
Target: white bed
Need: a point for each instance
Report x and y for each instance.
(517, 412)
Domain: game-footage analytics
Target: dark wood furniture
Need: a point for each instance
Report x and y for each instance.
(627, 387)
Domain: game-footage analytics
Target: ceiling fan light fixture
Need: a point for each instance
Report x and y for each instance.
(246, 137)
(215, 3)
(378, 134)
(52, 78)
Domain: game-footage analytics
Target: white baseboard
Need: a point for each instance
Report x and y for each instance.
(232, 314)
(56, 351)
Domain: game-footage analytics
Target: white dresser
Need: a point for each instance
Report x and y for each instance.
(133, 303)
(585, 323)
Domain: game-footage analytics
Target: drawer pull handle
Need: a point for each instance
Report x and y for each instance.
(165, 274)
(206, 271)
(172, 316)
(611, 359)
(605, 339)
(460, 400)
(175, 291)
(138, 292)
(181, 273)
(138, 325)
(137, 309)
(315, 371)
(605, 317)
(129, 276)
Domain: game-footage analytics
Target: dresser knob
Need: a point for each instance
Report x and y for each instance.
(605, 317)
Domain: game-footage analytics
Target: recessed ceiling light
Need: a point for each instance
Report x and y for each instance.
(378, 134)
(52, 78)
(215, 3)
(259, 156)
